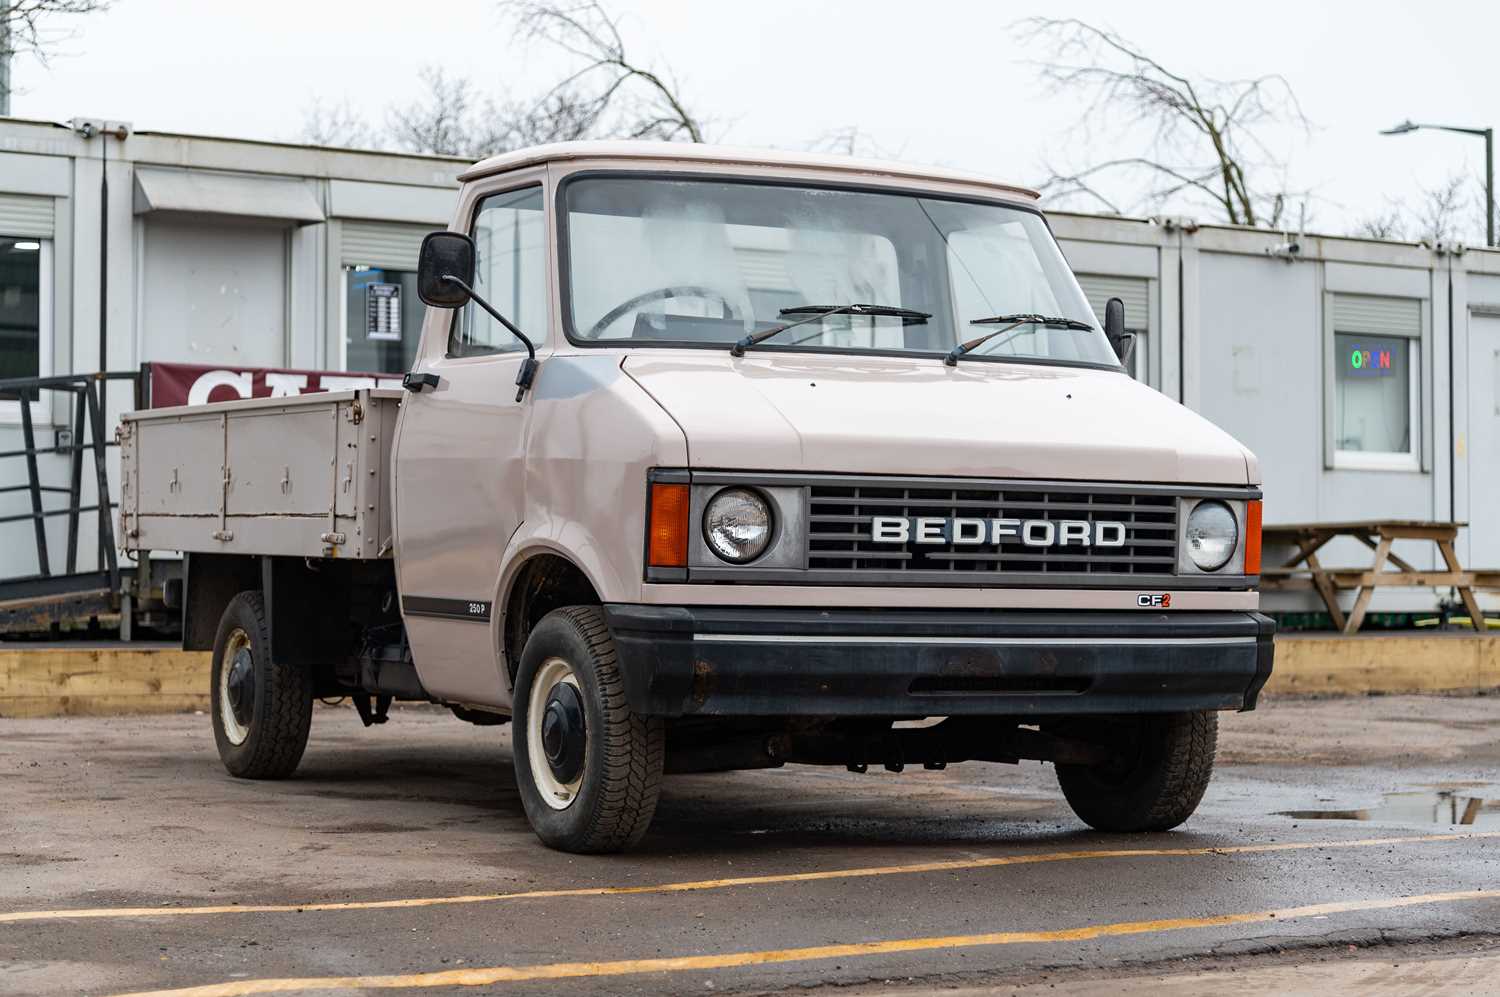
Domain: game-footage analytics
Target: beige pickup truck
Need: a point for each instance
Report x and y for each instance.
(716, 459)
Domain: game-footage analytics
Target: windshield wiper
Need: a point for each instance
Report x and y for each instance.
(815, 312)
(1011, 322)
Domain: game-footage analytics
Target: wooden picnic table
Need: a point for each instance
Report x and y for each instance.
(1378, 535)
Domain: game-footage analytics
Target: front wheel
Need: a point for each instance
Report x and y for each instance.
(262, 710)
(588, 767)
(1156, 781)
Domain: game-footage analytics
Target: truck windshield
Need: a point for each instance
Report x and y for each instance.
(700, 262)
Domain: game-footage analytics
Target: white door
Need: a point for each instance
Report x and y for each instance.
(1484, 442)
(214, 293)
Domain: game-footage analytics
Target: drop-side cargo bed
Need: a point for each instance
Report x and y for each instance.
(307, 475)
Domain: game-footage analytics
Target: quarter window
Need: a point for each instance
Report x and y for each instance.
(510, 274)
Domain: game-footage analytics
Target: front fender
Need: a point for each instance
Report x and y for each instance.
(594, 436)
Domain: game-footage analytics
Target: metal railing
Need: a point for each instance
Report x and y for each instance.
(86, 447)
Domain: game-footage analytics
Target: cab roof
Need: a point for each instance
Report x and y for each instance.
(645, 153)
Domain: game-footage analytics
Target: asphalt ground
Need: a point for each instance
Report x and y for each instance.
(398, 857)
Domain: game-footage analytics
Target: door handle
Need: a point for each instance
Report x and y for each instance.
(415, 381)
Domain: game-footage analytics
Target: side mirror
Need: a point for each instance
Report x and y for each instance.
(1121, 341)
(445, 279)
(445, 254)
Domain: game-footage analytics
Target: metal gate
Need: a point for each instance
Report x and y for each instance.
(54, 592)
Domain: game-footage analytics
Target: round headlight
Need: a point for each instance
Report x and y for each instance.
(737, 525)
(1212, 535)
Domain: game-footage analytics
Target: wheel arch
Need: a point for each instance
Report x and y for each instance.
(305, 603)
(209, 581)
(542, 578)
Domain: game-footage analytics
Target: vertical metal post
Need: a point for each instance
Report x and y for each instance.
(75, 479)
(103, 263)
(1489, 186)
(28, 436)
(101, 475)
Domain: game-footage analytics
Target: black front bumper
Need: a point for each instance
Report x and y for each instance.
(681, 661)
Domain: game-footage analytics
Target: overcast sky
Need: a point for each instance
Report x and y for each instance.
(938, 82)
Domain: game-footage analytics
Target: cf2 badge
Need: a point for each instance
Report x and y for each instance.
(1154, 600)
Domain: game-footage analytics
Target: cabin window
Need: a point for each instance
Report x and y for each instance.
(1376, 356)
(510, 273)
(24, 312)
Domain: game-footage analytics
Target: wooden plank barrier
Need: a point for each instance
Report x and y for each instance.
(94, 680)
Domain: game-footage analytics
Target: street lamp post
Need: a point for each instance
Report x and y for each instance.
(1488, 134)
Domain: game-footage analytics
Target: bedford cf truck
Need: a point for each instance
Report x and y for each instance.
(711, 460)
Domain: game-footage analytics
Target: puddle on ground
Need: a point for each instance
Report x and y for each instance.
(1444, 806)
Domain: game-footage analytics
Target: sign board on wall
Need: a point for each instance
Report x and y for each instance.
(383, 312)
(194, 384)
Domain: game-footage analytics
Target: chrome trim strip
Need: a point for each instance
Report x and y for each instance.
(978, 641)
(794, 478)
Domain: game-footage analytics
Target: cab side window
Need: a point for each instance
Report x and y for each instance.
(510, 273)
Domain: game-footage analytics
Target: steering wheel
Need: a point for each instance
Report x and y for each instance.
(660, 294)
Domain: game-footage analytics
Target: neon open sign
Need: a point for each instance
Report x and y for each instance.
(1368, 362)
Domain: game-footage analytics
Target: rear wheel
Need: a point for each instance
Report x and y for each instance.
(588, 767)
(1157, 780)
(262, 710)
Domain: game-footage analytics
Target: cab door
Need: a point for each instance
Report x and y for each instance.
(459, 450)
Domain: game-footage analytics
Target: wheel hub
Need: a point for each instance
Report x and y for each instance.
(241, 686)
(563, 734)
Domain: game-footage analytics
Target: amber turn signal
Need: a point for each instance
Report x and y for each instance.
(667, 539)
(1252, 537)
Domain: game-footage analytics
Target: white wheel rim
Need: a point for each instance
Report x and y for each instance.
(234, 731)
(557, 794)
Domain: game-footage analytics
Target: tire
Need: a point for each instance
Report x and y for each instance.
(260, 726)
(1169, 759)
(598, 791)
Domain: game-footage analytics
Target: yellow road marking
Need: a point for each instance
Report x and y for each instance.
(478, 977)
(717, 884)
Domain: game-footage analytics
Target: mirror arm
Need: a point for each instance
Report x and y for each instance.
(527, 373)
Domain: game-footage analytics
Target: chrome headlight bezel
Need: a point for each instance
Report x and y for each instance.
(724, 547)
(786, 551)
(1233, 562)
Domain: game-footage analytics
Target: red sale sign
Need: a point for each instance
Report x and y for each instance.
(195, 384)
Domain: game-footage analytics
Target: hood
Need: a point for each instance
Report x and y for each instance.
(883, 415)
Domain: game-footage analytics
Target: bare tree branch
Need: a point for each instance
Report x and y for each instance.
(1438, 215)
(1388, 224)
(451, 118)
(1206, 134)
(24, 23)
(326, 123)
(852, 140)
(562, 115)
(645, 100)
(26, 26)
(608, 94)
(1446, 212)
(441, 121)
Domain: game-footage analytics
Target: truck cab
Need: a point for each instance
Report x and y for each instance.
(717, 459)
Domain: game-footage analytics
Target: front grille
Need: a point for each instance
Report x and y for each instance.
(839, 523)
